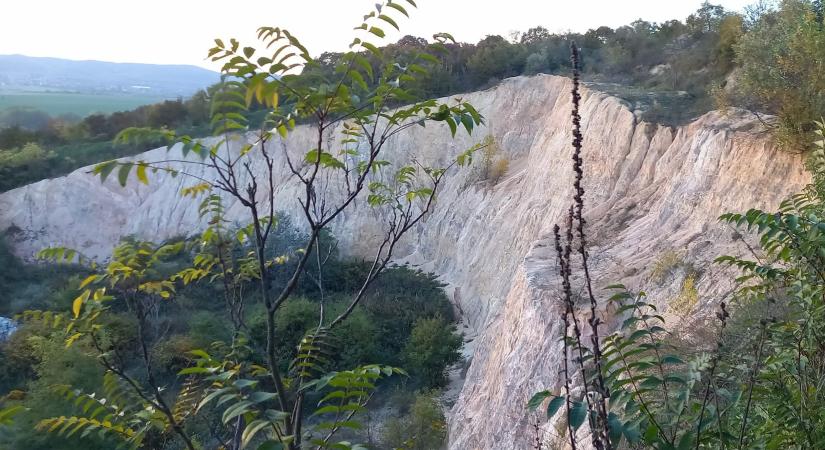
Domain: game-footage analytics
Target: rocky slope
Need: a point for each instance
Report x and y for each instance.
(653, 194)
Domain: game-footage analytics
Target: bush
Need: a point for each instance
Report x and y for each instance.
(688, 296)
(781, 60)
(206, 327)
(56, 365)
(432, 348)
(422, 428)
(490, 165)
(665, 264)
(498, 170)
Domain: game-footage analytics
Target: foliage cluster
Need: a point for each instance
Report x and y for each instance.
(34, 146)
(781, 69)
(691, 56)
(422, 427)
(405, 321)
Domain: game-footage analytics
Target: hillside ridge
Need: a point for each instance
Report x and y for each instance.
(21, 73)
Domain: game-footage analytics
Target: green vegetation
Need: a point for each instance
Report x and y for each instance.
(69, 103)
(33, 286)
(679, 62)
(491, 166)
(422, 427)
(432, 346)
(665, 265)
(34, 146)
(33, 362)
(781, 68)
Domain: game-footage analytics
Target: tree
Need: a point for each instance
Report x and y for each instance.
(197, 108)
(707, 19)
(536, 63)
(353, 112)
(167, 114)
(731, 30)
(781, 70)
(494, 59)
(535, 35)
(96, 126)
(432, 348)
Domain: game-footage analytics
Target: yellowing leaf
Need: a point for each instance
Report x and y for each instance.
(77, 304)
(141, 174)
(88, 280)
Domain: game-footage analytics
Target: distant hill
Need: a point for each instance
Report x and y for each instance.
(20, 73)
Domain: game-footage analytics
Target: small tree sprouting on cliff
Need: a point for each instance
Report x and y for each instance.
(352, 112)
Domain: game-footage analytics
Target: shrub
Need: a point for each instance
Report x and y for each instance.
(423, 427)
(664, 266)
(498, 170)
(781, 60)
(431, 349)
(688, 296)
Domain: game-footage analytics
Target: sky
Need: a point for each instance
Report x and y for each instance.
(182, 31)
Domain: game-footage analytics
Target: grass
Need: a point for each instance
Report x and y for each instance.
(688, 297)
(665, 264)
(59, 103)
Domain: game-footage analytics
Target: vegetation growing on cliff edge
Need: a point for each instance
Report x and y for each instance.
(781, 60)
(634, 388)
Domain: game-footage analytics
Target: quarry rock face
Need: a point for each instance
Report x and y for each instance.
(653, 196)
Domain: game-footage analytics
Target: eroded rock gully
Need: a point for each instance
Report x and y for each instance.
(651, 190)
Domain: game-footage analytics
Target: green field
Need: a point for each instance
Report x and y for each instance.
(58, 103)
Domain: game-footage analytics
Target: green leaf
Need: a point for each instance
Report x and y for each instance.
(672, 359)
(686, 442)
(616, 429)
(467, 121)
(651, 433)
(236, 410)
(123, 174)
(373, 49)
(258, 397)
(451, 123)
(554, 406)
(7, 414)
(398, 8)
(377, 31)
(577, 414)
(389, 20)
(251, 430)
(104, 169)
(631, 432)
(536, 399)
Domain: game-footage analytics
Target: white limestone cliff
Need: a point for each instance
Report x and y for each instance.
(650, 189)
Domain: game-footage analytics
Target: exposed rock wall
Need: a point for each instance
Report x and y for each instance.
(651, 190)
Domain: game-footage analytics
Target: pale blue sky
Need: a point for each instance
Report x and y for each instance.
(181, 31)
